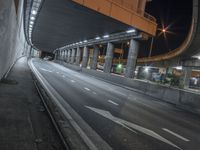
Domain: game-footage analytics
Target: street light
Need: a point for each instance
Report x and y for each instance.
(164, 30)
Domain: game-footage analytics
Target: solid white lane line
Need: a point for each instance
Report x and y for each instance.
(177, 135)
(110, 101)
(86, 89)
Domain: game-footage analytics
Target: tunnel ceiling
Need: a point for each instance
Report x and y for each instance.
(62, 22)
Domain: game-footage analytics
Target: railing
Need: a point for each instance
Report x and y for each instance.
(129, 7)
(149, 17)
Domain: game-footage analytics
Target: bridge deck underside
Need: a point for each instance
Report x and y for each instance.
(63, 22)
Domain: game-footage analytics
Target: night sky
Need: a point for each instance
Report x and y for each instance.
(177, 15)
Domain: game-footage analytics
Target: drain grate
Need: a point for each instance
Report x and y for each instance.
(9, 81)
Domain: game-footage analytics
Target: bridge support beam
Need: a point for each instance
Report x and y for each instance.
(73, 55)
(108, 58)
(78, 56)
(59, 55)
(187, 76)
(132, 58)
(56, 55)
(85, 57)
(69, 55)
(93, 64)
(63, 58)
(66, 55)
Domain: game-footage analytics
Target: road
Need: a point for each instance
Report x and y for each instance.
(124, 119)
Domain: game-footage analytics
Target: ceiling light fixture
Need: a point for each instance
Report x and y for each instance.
(106, 36)
(97, 38)
(34, 12)
(131, 31)
(32, 18)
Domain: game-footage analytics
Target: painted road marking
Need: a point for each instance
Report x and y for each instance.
(110, 101)
(45, 70)
(132, 126)
(177, 135)
(94, 93)
(73, 81)
(86, 89)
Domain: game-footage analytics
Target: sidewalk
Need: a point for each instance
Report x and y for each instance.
(24, 123)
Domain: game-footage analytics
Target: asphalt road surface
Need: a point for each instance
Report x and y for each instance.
(124, 119)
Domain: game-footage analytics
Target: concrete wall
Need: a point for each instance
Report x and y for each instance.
(12, 40)
(181, 98)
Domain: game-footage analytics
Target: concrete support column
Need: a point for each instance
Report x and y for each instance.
(63, 54)
(108, 58)
(93, 63)
(78, 56)
(73, 55)
(68, 55)
(132, 58)
(58, 55)
(85, 57)
(187, 76)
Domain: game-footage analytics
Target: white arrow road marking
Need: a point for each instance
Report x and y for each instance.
(110, 101)
(177, 135)
(130, 125)
(86, 89)
(108, 115)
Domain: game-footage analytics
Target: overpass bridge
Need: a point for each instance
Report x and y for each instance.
(189, 50)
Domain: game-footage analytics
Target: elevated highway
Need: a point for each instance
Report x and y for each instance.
(189, 49)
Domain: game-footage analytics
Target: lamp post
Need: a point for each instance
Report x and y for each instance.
(164, 30)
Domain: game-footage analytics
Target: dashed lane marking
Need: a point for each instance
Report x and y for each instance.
(110, 101)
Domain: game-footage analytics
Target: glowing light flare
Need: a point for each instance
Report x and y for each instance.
(178, 67)
(146, 68)
(119, 66)
(164, 30)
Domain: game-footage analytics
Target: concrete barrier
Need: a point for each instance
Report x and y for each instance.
(184, 99)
